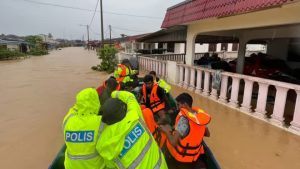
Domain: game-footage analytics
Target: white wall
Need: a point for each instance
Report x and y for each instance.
(179, 48)
(201, 48)
(13, 47)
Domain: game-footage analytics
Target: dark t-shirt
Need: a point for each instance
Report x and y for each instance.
(160, 93)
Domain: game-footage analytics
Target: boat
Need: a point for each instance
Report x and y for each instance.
(208, 158)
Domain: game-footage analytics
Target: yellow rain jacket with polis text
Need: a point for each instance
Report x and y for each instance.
(82, 127)
(128, 143)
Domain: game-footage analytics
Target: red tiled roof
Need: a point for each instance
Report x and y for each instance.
(135, 37)
(192, 10)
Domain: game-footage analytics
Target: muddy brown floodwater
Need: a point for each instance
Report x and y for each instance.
(35, 94)
(242, 142)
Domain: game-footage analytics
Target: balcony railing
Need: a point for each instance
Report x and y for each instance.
(272, 101)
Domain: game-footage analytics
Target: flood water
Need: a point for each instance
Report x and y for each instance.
(242, 142)
(36, 93)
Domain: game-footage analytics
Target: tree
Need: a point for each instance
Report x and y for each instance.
(107, 55)
(50, 36)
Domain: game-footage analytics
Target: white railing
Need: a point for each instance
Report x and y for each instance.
(180, 58)
(200, 82)
(246, 92)
(149, 64)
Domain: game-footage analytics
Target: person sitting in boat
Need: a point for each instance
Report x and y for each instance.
(105, 90)
(153, 127)
(161, 83)
(125, 141)
(82, 127)
(184, 143)
(154, 97)
(111, 83)
(125, 75)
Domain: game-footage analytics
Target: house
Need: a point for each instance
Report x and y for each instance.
(15, 45)
(260, 93)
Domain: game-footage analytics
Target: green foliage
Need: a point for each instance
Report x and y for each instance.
(107, 55)
(35, 41)
(38, 48)
(37, 52)
(6, 54)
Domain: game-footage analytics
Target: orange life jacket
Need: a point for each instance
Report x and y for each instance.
(118, 86)
(123, 72)
(159, 136)
(190, 147)
(155, 103)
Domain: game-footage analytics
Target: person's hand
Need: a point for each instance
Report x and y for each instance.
(165, 128)
(171, 111)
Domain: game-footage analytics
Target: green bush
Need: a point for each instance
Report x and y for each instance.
(37, 52)
(107, 55)
(6, 54)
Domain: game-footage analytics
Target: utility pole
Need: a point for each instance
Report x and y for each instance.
(88, 34)
(101, 17)
(109, 35)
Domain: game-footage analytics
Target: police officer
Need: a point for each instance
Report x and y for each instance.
(82, 127)
(124, 74)
(161, 82)
(126, 142)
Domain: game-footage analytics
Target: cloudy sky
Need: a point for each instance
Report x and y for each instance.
(63, 18)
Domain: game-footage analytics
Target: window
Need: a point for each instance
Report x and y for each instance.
(224, 47)
(171, 47)
(235, 47)
(212, 47)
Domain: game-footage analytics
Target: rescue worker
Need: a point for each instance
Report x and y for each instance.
(111, 83)
(124, 74)
(158, 135)
(107, 88)
(82, 127)
(184, 144)
(125, 141)
(161, 83)
(154, 97)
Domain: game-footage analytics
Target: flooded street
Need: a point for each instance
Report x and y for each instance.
(36, 93)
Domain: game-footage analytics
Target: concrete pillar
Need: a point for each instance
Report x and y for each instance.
(241, 56)
(224, 85)
(190, 48)
(199, 81)
(235, 92)
(206, 83)
(260, 110)
(181, 75)
(192, 80)
(246, 106)
(295, 124)
(279, 106)
(186, 77)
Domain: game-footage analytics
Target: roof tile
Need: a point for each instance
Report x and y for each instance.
(202, 9)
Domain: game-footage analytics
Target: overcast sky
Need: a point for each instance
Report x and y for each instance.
(25, 17)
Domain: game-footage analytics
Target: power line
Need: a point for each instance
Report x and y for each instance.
(125, 29)
(94, 12)
(89, 10)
